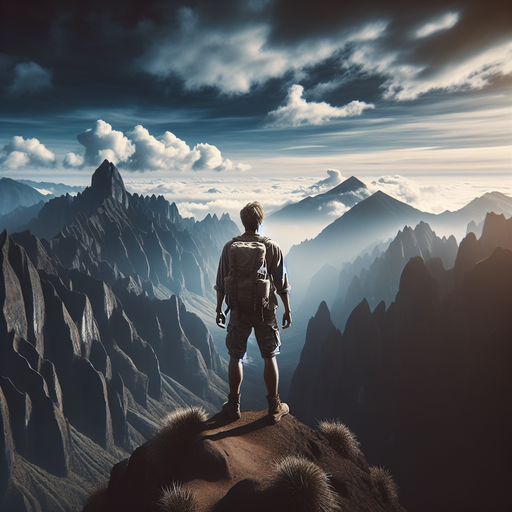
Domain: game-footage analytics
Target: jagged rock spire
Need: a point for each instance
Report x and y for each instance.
(107, 182)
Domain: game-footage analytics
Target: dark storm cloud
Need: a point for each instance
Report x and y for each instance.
(30, 78)
(414, 50)
(179, 55)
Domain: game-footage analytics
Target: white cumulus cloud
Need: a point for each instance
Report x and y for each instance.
(21, 153)
(138, 150)
(426, 197)
(297, 111)
(335, 178)
(102, 142)
(72, 160)
(30, 78)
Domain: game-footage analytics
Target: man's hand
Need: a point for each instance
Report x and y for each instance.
(221, 319)
(287, 319)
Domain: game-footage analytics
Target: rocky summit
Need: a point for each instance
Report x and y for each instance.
(210, 465)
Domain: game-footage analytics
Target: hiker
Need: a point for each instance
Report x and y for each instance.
(251, 272)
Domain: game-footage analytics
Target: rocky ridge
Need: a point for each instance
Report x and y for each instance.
(92, 355)
(428, 379)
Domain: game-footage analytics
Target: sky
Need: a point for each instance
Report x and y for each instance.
(217, 103)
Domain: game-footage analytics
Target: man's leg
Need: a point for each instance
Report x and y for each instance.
(236, 342)
(235, 374)
(267, 335)
(271, 376)
(276, 409)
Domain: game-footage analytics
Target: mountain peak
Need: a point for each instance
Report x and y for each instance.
(349, 185)
(107, 182)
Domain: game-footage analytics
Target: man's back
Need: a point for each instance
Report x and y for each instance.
(261, 317)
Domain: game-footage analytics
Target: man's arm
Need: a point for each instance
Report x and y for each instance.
(287, 315)
(221, 318)
(222, 271)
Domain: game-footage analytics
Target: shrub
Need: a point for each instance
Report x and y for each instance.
(174, 436)
(96, 497)
(177, 499)
(341, 439)
(304, 486)
(383, 479)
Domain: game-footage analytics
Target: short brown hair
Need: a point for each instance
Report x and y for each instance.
(252, 215)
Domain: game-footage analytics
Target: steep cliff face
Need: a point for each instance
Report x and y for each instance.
(426, 378)
(72, 354)
(94, 346)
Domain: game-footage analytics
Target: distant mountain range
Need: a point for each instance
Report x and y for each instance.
(14, 194)
(52, 189)
(428, 379)
(305, 219)
(378, 217)
(26, 193)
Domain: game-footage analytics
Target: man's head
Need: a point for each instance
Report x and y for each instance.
(252, 215)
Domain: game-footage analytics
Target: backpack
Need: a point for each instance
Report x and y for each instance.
(248, 283)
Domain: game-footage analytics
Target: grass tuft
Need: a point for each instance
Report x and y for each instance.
(96, 497)
(304, 486)
(174, 436)
(341, 439)
(177, 499)
(383, 479)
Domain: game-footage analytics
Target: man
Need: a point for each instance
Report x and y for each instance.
(261, 318)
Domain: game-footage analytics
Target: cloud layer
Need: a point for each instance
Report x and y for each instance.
(200, 196)
(232, 56)
(297, 111)
(138, 150)
(411, 51)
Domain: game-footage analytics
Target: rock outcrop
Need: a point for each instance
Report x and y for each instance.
(248, 465)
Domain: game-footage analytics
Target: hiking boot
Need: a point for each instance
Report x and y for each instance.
(232, 407)
(276, 409)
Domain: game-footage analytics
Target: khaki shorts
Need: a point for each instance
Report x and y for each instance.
(265, 330)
